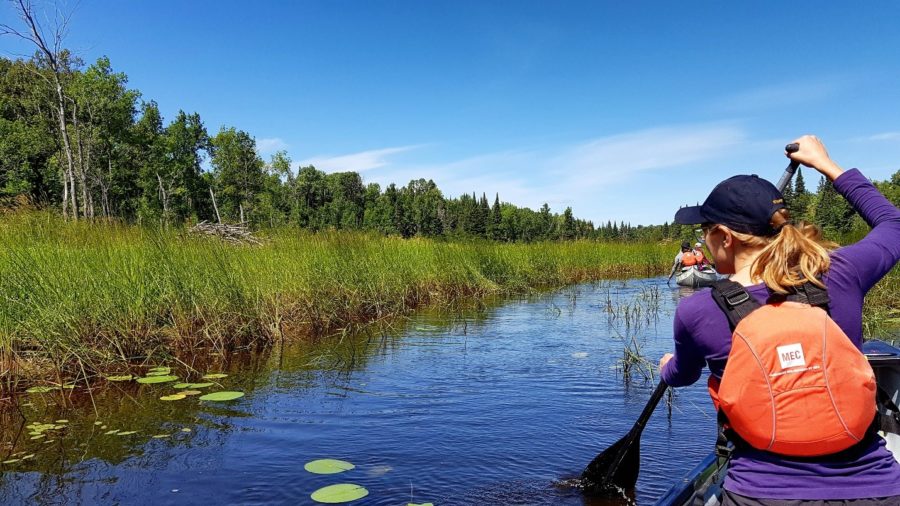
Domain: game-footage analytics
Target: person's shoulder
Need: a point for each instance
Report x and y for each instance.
(694, 305)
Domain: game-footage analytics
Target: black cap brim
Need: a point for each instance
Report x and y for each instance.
(689, 216)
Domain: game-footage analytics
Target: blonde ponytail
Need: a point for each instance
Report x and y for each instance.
(795, 255)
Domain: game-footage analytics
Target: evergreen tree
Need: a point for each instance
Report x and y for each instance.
(832, 212)
(496, 221)
(567, 230)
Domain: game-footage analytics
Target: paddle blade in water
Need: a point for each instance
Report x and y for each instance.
(342, 492)
(603, 476)
(328, 466)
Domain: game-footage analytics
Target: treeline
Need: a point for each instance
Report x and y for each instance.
(76, 138)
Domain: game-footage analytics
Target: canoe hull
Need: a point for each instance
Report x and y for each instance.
(695, 278)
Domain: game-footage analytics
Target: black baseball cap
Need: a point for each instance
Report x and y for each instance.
(742, 203)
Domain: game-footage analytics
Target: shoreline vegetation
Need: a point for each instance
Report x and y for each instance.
(83, 300)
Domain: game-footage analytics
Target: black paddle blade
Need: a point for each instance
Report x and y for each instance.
(615, 469)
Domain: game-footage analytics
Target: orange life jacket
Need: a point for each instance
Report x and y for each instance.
(688, 259)
(794, 383)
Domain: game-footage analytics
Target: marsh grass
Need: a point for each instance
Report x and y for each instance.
(881, 313)
(80, 299)
(629, 321)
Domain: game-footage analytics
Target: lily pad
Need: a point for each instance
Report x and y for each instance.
(127, 433)
(62, 421)
(190, 392)
(217, 375)
(40, 390)
(110, 432)
(161, 436)
(157, 379)
(342, 492)
(11, 461)
(158, 373)
(98, 422)
(162, 369)
(124, 377)
(222, 396)
(185, 429)
(328, 466)
(192, 385)
(38, 436)
(173, 397)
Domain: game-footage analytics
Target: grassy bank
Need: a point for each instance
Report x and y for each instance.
(80, 299)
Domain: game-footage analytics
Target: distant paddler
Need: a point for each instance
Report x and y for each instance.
(684, 258)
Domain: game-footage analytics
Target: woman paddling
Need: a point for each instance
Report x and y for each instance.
(751, 236)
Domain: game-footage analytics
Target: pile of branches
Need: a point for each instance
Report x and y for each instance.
(237, 234)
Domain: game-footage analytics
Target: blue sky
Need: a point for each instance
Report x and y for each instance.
(621, 110)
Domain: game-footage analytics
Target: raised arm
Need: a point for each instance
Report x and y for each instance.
(877, 253)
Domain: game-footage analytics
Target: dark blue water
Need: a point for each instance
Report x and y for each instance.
(491, 406)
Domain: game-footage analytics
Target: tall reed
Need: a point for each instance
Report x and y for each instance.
(80, 298)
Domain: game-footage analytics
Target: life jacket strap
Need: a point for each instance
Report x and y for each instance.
(734, 301)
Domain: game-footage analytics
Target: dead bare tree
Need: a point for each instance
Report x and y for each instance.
(49, 46)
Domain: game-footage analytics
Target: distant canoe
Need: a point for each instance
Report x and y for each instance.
(695, 278)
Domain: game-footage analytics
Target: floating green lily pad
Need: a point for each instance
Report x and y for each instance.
(38, 436)
(29, 456)
(62, 421)
(173, 397)
(157, 373)
(190, 392)
(11, 461)
(157, 379)
(328, 466)
(161, 436)
(98, 423)
(110, 432)
(40, 390)
(222, 396)
(342, 492)
(163, 369)
(185, 429)
(192, 385)
(124, 377)
(213, 376)
(127, 433)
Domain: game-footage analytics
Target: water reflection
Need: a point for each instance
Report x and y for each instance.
(489, 404)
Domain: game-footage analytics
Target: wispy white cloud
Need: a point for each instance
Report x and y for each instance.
(621, 157)
(270, 146)
(780, 95)
(355, 162)
(884, 136)
(578, 174)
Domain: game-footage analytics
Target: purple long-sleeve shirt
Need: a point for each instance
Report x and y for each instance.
(703, 338)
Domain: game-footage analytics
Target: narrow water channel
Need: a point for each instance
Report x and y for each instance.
(491, 406)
